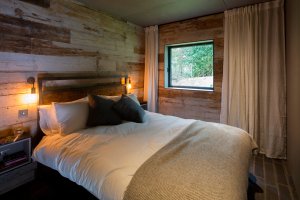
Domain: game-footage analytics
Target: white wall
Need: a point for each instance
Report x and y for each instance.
(293, 89)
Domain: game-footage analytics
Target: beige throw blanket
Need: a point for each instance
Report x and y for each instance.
(206, 161)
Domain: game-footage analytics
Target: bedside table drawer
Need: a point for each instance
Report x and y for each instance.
(15, 154)
(16, 166)
(17, 177)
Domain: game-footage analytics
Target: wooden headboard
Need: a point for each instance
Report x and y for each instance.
(56, 87)
(69, 87)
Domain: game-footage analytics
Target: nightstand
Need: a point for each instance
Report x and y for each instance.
(16, 166)
(144, 105)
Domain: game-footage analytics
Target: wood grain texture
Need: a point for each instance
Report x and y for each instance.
(272, 177)
(66, 87)
(61, 37)
(204, 105)
(43, 3)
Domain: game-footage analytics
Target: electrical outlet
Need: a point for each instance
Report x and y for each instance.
(23, 113)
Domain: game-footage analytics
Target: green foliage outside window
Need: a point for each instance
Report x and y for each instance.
(191, 63)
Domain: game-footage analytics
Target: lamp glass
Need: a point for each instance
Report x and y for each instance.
(129, 86)
(30, 99)
(123, 80)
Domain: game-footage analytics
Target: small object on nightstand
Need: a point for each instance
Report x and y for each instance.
(144, 105)
(18, 136)
(18, 129)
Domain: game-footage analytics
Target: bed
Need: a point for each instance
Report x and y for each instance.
(165, 157)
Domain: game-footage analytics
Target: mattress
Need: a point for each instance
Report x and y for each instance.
(104, 159)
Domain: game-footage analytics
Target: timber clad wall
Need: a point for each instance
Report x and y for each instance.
(65, 38)
(202, 105)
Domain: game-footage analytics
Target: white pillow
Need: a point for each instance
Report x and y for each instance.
(71, 116)
(114, 98)
(48, 122)
(81, 99)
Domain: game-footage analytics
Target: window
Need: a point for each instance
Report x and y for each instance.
(190, 65)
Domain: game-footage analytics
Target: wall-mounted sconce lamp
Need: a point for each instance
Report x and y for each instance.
(123, 80)
(31, 80)
(127, 83)
(32, 97)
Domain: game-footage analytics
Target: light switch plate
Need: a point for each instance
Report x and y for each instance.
(23, 113)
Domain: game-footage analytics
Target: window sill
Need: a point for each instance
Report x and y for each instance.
(191, 89)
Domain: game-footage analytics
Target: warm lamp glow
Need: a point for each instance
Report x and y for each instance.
(30, 98)
(123, 80)
(128, 85)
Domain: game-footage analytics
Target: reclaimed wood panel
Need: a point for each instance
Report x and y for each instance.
(197, 104)
(43, 3)
(18, 26)
(61, 37)
(41, 63)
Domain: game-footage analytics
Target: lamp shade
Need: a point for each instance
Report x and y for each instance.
(128, 85)
(30, 98)
(123, 80)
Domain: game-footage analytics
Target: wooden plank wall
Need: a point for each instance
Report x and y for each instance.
(202, 105)
(65, 37)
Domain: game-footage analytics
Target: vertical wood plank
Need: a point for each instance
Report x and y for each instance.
(269, 170)
(280, 173)
(259, 167)
(271, 193)
(270, 184)
(284, 192)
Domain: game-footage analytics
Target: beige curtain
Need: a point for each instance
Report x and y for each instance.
(254, 77)
(151, 67)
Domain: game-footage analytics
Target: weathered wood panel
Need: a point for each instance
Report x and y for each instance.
(204, 105)
(66, 87)
(40, 63)
(62, 36)
(43, 3)
(17, 26)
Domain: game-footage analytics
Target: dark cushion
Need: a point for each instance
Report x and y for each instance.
(129, 110)
(101, 112)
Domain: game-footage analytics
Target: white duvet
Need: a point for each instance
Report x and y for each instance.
(104, 159)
